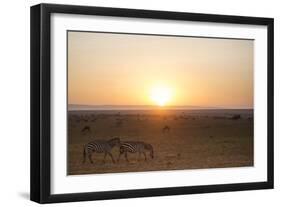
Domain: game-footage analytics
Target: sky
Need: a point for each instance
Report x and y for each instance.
(129, 69)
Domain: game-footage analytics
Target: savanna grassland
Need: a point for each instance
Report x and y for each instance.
(195, 139)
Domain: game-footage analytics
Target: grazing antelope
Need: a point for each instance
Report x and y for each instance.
(100, 146)
(86, 129)
(166, 129)
(135, 147)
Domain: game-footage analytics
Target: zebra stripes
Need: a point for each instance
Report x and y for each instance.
(106, 146)
(135, 147)
(100, 146)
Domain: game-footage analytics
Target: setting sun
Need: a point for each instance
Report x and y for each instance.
(161, 95)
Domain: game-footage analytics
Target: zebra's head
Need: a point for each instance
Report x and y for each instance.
(115, 141)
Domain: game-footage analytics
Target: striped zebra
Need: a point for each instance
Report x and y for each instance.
(135, 147)
(100, 146)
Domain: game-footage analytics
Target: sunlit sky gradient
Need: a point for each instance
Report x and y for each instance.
(123, 69)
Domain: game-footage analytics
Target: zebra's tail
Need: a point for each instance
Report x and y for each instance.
(84, 154)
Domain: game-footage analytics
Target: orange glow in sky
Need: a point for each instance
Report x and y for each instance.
(123, 69)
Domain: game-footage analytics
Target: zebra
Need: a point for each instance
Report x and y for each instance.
(100, 146)
(135, 147)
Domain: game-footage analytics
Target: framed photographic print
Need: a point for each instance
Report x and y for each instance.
(133, 103)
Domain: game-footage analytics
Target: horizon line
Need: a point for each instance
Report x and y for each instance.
(120, 107)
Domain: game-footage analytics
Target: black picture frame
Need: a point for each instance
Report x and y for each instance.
(41, 97)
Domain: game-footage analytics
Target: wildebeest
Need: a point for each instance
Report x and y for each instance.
(100, 146)
(236, 117)
(94, 119)
(135, 147)
(166, 129)
(86, 129)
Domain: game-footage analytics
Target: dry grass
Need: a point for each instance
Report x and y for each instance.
(204, 139)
